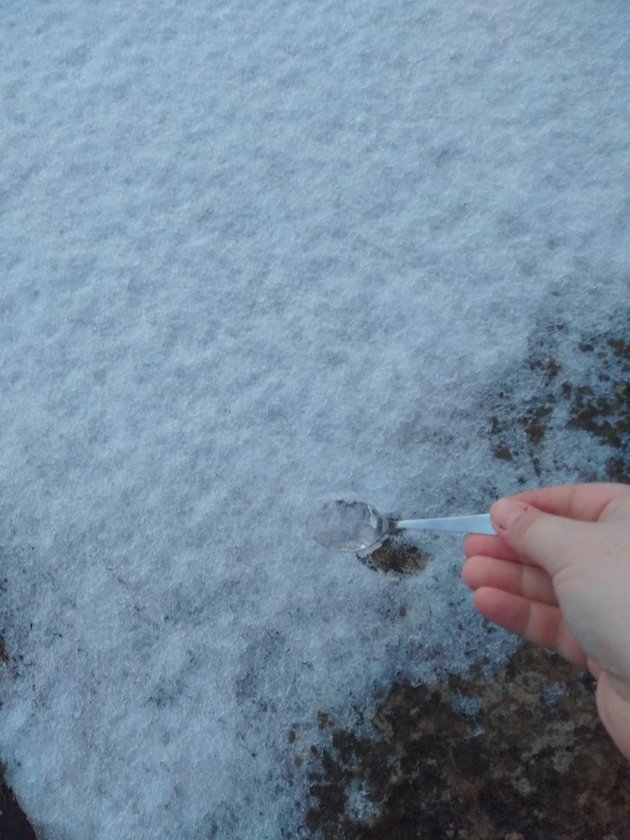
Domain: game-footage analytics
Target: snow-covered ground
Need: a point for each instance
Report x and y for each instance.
(252, 253)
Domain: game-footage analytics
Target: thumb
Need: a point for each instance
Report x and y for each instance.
(551, 542)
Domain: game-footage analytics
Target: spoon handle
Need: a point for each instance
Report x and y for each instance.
(476, 524)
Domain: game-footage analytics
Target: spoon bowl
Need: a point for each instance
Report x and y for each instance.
(348, 525)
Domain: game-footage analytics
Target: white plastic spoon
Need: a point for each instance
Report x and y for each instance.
(352, 525)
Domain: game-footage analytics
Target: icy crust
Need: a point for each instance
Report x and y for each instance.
(249, 256)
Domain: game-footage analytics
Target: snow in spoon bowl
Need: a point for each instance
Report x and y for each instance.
(347, 525)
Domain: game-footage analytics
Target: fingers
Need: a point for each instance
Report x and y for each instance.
(479, 544)
(556, 543)
(584, 502)
(486, 546)
(548, 531)
(526, 581)
(536, 622)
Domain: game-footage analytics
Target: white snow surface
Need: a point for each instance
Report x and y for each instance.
(251, 254)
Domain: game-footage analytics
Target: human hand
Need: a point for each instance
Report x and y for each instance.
(558, 574)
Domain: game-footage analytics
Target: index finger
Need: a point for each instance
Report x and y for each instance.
(584, 502)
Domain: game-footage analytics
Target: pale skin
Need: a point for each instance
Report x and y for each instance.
(558, 574)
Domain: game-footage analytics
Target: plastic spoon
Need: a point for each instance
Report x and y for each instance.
(352, 525)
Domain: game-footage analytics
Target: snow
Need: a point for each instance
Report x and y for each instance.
(252, 254)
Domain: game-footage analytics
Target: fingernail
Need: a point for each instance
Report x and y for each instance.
(505, 513)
